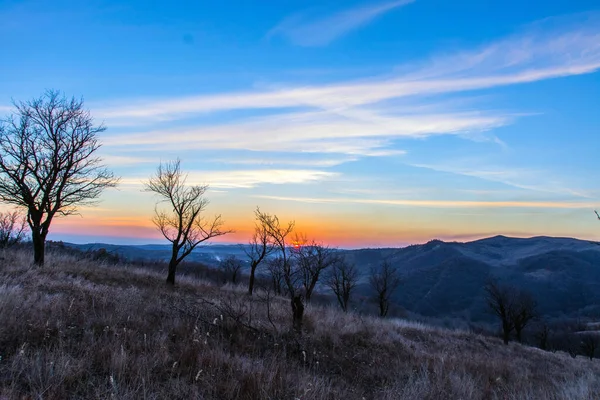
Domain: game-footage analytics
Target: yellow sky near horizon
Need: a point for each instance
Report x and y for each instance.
(372, 226)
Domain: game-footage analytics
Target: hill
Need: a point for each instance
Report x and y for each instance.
(442, 279)
(446, 279)
(81, 329)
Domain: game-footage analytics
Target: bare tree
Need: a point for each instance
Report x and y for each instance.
(385, 280)
(13, 228)
(261, 245)
(279, 234)
(543, 336)
(183, 225)
(499, 299)
(342, 279)
(313, 259)
(231, 268)
(589, 344)
(515, 308)
(522, 312)
(275, 268)
(48, 162)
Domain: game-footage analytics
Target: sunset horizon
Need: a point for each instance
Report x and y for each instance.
(368, 124)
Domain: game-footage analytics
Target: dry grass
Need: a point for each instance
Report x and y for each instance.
(79, 329)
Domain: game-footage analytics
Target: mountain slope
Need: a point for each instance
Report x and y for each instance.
(446, 279)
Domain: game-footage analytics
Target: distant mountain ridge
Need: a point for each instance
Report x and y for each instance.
(446, 279)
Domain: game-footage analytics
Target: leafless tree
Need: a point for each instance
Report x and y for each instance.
(385, 280)
(500, 301)
(275, 268)
(48, 162)
(279, 234)
(515, 308)
(13, 227)
(184, 224)
(261, 245)
(589, 344)
(342, 279)
(543, 336)
(522, 312)
(231, 268)
(313, 259)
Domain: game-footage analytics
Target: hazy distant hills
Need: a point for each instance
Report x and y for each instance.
(209, 254)
(446, 279)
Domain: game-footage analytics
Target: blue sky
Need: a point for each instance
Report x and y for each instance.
(369, 123)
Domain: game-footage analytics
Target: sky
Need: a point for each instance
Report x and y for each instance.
(368, 123)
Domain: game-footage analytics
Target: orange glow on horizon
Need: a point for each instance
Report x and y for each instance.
(333, 235)
(373, 229)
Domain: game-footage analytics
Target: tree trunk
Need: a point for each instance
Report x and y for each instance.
(39, 245)
(345, 301)
(251, 284)
(383, 306)
(311, 287)
(297, 313)
(276, 286)
(505, 333)
(172, 269)
(340, 301)
(518, 335)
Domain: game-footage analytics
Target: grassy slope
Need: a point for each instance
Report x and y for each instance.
(78, 329)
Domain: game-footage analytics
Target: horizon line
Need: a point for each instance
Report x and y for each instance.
(475, 238)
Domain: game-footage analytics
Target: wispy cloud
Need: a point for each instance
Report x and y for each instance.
(118, 160)
(245, 179)
(252, 178)
(318, 132)
(436, 203)
(278, 160)
(568, 41)
(521, 178)
(528, 57)
(366, 117)
(306, 30)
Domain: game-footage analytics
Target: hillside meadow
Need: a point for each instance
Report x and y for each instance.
(78, 328)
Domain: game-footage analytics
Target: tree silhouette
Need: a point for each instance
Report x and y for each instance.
(342, 279)
(313, 259)
(275, 268)
(499, 300)
(13, 227)
(48, 162)
(283, 266)
(589, 344)
(515, 308)
(231, 268)
(261, 245)
(184, 225)
(523, 311)
(385, 280)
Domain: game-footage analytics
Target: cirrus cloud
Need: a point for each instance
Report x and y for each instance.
(301, 30)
